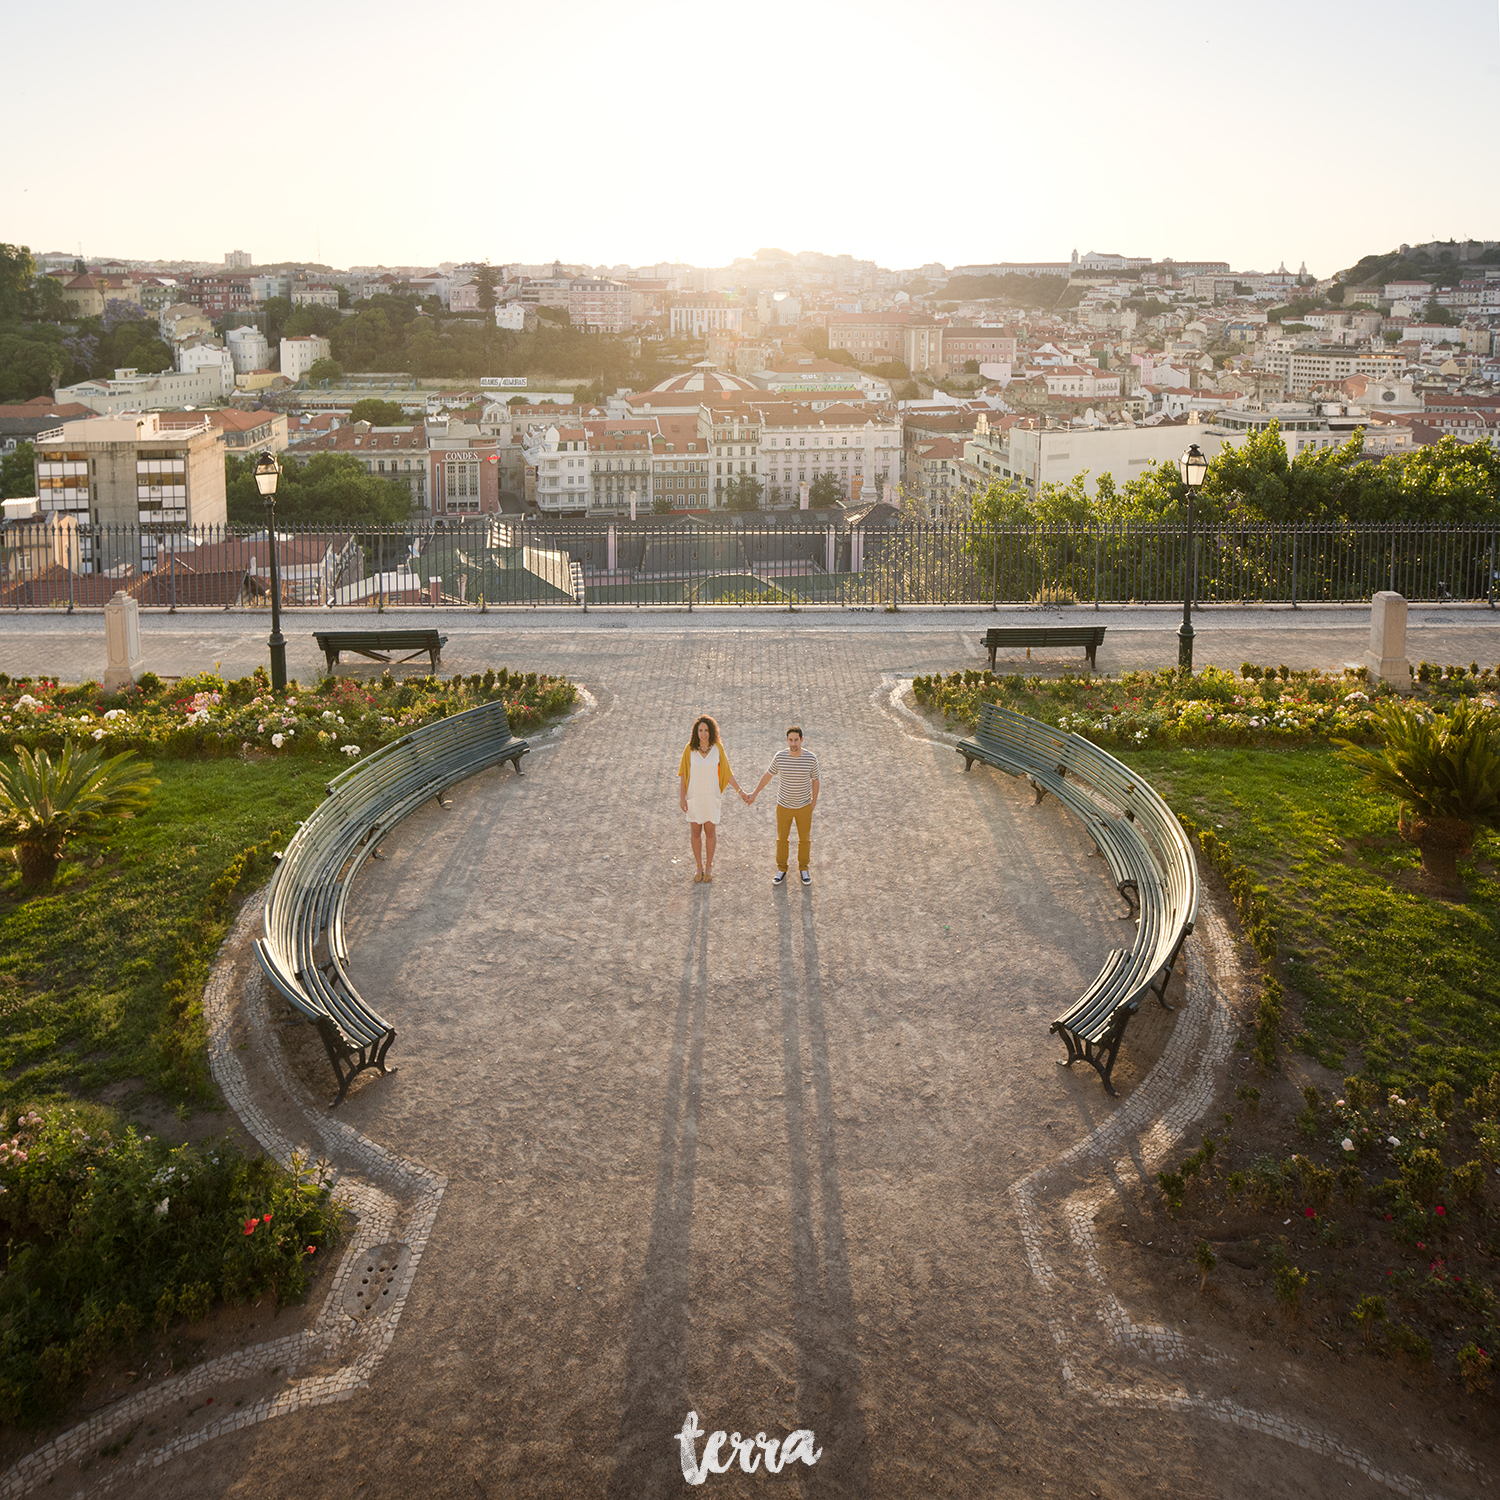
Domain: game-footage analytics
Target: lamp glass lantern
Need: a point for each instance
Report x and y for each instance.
(1193, 467)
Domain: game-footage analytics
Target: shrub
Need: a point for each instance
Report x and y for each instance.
(1290, 1285)
(1409, 1343)
(45, 805)
(1422, 1175)
(111, 1233)
(1474, 1364)
(1206, 1261)
(1368, 1312)
(1468, 1182)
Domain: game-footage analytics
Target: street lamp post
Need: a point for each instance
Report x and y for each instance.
(267, 472)
(1193, 467)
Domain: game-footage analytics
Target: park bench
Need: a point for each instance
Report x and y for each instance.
(1090, 637)
(303, 950)
(381, 645)
(1150, 861)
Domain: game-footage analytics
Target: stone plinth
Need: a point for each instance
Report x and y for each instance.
(122, 642)
(1386, 657)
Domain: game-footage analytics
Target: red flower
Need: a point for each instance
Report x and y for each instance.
(1440, 1210)
(250, 1225)
(268, 1218)
(312, 1249)
(1310, 1213)
(208, 1400)
(1420, 1245)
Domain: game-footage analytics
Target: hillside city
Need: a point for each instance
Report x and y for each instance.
(782, 382)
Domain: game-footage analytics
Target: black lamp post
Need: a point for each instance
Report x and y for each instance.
(1193, 467)
(267, 472)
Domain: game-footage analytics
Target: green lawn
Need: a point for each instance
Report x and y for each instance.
(88, 970)
(1359, 937)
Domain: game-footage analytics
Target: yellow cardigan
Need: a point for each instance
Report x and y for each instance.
(724, 772)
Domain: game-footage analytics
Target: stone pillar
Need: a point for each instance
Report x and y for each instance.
(1386, 657)
(122, 642)
(802, 493)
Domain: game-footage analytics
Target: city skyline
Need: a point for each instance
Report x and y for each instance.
(989, 134)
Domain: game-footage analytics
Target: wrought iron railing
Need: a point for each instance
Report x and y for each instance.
(508, 560)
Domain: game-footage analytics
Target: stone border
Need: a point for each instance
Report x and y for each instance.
(394, 1201)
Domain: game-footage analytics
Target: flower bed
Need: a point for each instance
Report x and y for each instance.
(207, 716)
(111, 1236)
(1260, 706)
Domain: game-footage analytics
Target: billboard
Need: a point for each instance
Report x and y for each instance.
(503, 382)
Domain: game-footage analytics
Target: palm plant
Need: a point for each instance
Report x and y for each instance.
(1445, 775)
(45, 804)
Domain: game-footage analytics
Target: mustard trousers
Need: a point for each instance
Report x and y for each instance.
(785, 817)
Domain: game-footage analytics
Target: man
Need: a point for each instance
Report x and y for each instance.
(796, 796)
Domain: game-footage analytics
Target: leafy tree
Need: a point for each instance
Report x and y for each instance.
(1437, 313)
(17, 272)
(1002, 504)
(842, 357)
(661, 504)
(311, 318)
(33, 362)
(18, 472)
(971, 367)
(378, 413)
(485, 277)
(743, 493)
(325, 369)
(45, 805)
(825, 493)
(330, 489)
(275, 311)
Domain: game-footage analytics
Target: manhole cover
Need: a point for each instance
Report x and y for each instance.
(377, 1276)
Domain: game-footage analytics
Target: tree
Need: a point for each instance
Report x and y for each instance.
(378, 413)
(1444, 775)
(17, 272)
(45, 805)
(328, 489)
(485, 277)
(971, 367)
(825, 493)
(32, 363)
(312, 317)
(661, 504)
(18, 472)
(743, 493)
(275, 311)
(325, 369)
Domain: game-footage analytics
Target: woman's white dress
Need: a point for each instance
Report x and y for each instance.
(704, 796)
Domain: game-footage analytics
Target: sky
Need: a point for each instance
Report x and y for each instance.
(957, 131)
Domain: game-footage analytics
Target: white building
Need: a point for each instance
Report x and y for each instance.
(300, 354)
(308, 295)
(200, 353)
(130, 391)
(238, 260)
(558, 456)
(181, 320)
(248, 349)
(861, 449)
(697, 316)
(511, 315)
(599, 305)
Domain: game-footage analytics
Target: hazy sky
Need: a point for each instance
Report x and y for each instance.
(951, 131)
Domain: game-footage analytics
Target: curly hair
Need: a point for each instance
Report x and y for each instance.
(713, 731)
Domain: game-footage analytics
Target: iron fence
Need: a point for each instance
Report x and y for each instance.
(508, 560)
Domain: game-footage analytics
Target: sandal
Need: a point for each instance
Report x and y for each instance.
(708, 877)
(697, 877)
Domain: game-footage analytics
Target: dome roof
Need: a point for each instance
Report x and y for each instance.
(703, 378)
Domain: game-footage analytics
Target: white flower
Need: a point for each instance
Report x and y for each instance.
(350, 750)
(161, 1208)
(261, 727)
(328, 713)
(98, 734)
(1392, 1139)
(27, 701)
(278, 740)
(114, 713)
(1347, 1144)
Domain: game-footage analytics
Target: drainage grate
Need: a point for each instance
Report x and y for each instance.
(377, 1276)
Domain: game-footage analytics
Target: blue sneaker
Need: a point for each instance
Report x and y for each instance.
(806, 878)
(779, 877)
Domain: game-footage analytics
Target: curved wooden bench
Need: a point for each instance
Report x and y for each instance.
(303, 951)
(1149, 857)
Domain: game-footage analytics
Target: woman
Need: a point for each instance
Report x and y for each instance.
(704, 773)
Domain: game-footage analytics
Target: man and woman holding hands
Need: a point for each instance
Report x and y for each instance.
(705, 775)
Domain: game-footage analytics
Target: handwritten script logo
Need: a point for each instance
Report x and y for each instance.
(777, 1455)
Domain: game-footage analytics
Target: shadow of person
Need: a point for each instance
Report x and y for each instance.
(824, 1324)
(655, 1389)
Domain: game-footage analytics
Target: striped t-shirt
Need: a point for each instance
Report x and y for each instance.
(797, 772)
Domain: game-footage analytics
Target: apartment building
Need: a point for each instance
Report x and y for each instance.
(879, 337)
(859, 446)
(202, 353)
(982, 345)
(300, 354)
(181, 320)
(124, 472)
(734, 434)
(218, 294)
(697, 315)
(620, 464)
(557, 468)
(1302, 369)
(599, 305)
(130, 391)
(680, 463)
(314, 294)
(248, 349)
(399, 453)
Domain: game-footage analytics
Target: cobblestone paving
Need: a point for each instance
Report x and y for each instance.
(746, 1152)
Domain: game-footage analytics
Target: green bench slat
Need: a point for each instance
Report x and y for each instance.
(1090, 637)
